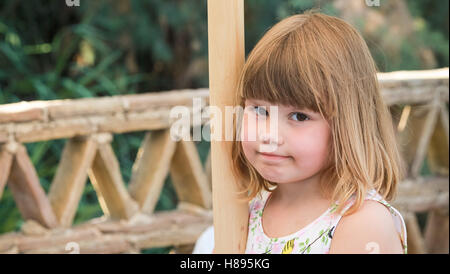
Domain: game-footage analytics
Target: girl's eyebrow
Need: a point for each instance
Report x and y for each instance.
(289, 107)
(293, 108)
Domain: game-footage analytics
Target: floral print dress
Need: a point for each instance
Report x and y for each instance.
(313, 238)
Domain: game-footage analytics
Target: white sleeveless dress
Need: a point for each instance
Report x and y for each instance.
(315, 237)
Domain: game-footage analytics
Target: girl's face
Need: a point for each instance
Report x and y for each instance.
(302, 143)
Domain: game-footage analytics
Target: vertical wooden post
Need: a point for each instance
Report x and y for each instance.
(226, 53)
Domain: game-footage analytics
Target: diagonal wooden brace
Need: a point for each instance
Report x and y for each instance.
(27, 191)
(70, 178)
(151, 168)
(188, 176)
(106, 178)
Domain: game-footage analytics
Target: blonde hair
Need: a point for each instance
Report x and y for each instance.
(320, 62)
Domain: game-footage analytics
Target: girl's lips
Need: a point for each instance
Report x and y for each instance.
(269, 154)
(273, 157)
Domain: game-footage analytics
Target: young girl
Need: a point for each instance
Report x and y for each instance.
(334, 163)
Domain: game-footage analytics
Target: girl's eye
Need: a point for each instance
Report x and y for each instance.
(260, 110)
(300, 116)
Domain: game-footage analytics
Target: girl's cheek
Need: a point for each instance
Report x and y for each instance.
(313, 145)
(248, 148)
(310, 143)
(248, 129)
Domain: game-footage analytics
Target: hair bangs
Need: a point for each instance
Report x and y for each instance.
(277, 78)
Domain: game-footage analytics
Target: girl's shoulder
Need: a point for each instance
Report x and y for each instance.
(372, 214)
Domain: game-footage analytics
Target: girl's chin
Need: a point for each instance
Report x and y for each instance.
(275, 177)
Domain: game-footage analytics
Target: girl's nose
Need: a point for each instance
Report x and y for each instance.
(270, 142)
(271, 138)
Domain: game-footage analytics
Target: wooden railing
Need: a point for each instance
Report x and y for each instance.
(418, 101)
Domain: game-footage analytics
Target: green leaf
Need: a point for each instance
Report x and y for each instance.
(77, 88)
(104, 64)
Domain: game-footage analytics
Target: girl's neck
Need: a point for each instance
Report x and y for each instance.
(298, 193)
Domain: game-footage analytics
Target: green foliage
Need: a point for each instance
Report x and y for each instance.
(430, 26)
(102, 48)
(10, 217)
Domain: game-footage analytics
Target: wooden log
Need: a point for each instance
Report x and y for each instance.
(56, 109)
(140, 102)
(173, 235)
(184, 249)
(107, 244)
(69, 118)
(167, 228)
(8, 241)
(415, 240)
(151, 168)
(118, 114)
(12, 250)
(4, 133)
(419, 204)
(208, 170)
(416, 77)
(5, 166)
(106, 178)
(398, 87)
(412, 95)
(188, 176)
(84, 107)
(437, 232)
(438, 154)
(160, 220)
(445, 120)
(27, 191)
(136, 121)
(163, 228)
(33, 228)
(22, 112)
(70, 179)
(427, 132)
(422, 194)
(412, 132)
(116, 104)
(62, 128)
(226, 59)
(102, 244)
(57, 238)
(193, 208)
(78, 126)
